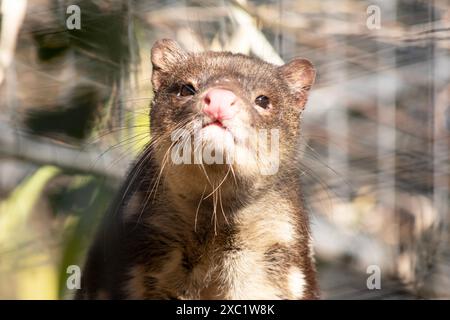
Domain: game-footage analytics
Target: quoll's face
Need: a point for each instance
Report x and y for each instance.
(228, 107)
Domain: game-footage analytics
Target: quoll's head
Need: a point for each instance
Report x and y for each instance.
(227, 106)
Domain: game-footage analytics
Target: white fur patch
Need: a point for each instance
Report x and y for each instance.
(245, 278)
(296, 282)
(285, 231)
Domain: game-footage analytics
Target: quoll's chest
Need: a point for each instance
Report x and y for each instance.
(254, 258)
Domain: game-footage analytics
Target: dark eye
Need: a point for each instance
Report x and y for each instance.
(186, 90)
(263, 102)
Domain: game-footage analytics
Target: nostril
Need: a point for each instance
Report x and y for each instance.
(207, 100)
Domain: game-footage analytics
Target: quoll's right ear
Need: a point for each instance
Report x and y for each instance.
(165, 54)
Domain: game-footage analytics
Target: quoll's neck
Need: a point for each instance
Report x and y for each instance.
(190, 184)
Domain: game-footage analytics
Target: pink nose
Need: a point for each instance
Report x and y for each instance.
(220, 104)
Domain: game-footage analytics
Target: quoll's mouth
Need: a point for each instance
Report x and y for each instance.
(215, 130)
(214, 123)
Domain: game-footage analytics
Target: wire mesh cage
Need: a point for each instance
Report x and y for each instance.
(375, 142)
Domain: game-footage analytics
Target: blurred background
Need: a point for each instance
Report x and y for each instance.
(375, 164)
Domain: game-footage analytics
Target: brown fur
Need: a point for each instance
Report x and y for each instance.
(210, 232)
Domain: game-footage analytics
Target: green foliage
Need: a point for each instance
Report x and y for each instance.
(86, 199)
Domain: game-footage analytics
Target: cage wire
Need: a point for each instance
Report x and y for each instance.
(375, 142)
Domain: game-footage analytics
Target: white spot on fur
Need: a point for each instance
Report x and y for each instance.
(296, 282)
(245, 278)
(285, 231)
(261, 225)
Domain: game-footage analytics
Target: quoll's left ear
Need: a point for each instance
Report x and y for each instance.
(299, 74)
